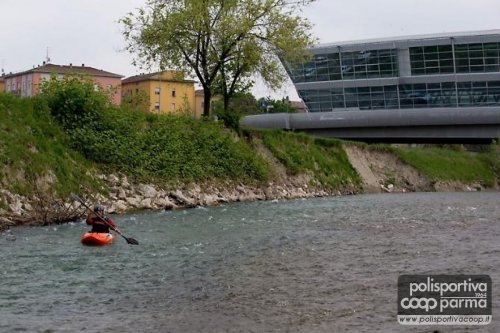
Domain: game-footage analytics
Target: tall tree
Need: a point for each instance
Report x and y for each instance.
(222, 42)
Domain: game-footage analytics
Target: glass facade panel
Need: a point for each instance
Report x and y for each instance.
(351, 98)
(431, 60)
(476, 61)
(445, 48)
(446, 55)
(469, 58)
(428, 60)
(323, 100)
(477, 58)
(411, 96)
(365, 98)
(334, 66)
(465, 96)
(494, 93)
(447, 63)
(431, 56)
(354, 65)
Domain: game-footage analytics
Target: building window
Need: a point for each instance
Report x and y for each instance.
(347, 65)
(477, 58)
(173, 107)
(157, 91)
(157, 106)
(469, 58)
(431, 60)
(362, 98)
(173, 92)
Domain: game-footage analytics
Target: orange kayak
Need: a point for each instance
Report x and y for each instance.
(97, 238)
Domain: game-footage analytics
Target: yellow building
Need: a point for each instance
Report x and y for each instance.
(2, 84)
(165, 92)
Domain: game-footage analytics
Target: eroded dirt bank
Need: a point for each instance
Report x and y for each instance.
(384, 172)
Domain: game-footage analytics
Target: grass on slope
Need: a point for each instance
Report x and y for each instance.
(323, 158)
(32, 146)
(452, 165)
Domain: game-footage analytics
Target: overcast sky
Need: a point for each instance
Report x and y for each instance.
(87, 31)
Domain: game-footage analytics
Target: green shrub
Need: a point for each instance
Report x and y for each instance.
(74, 101)
(146, 145)
(242, 104)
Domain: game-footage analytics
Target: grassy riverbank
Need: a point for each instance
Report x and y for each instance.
(35, 154)
(447, 164)
(48, 151)
(162, 149)
(325, 159)
(451, 163)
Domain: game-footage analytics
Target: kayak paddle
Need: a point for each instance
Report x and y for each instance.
(129, 240)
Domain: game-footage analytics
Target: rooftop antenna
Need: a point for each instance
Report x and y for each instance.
(47, 58)
(2, 69)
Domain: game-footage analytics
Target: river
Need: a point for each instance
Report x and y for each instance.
(317, 265)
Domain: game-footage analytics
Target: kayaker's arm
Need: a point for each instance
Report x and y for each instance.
(89, 220)
(111, 222)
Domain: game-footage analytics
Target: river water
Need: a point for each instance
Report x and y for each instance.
(318, 265)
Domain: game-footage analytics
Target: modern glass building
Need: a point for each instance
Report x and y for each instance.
(432, 71)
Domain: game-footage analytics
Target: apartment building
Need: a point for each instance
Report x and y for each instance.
(27, 83)
(167, 91)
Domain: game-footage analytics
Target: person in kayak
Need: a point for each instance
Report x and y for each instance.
(98, 225)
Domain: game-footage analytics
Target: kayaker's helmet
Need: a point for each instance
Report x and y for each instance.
(99, 209)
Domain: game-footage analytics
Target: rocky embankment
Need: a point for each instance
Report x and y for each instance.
(125, 196)
(380, 172)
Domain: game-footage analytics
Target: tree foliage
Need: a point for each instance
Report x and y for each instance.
(74, 101)
(242, 104)
(222, 42)
(138, 101)
(269, 105)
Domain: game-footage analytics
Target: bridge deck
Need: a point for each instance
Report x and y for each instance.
(398, 125)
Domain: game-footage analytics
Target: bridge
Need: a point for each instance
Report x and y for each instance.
(424, 125)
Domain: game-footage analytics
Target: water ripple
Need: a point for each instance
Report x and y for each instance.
(320, 265)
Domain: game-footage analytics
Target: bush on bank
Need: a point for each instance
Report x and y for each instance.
(168, 148)
(146, 146)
